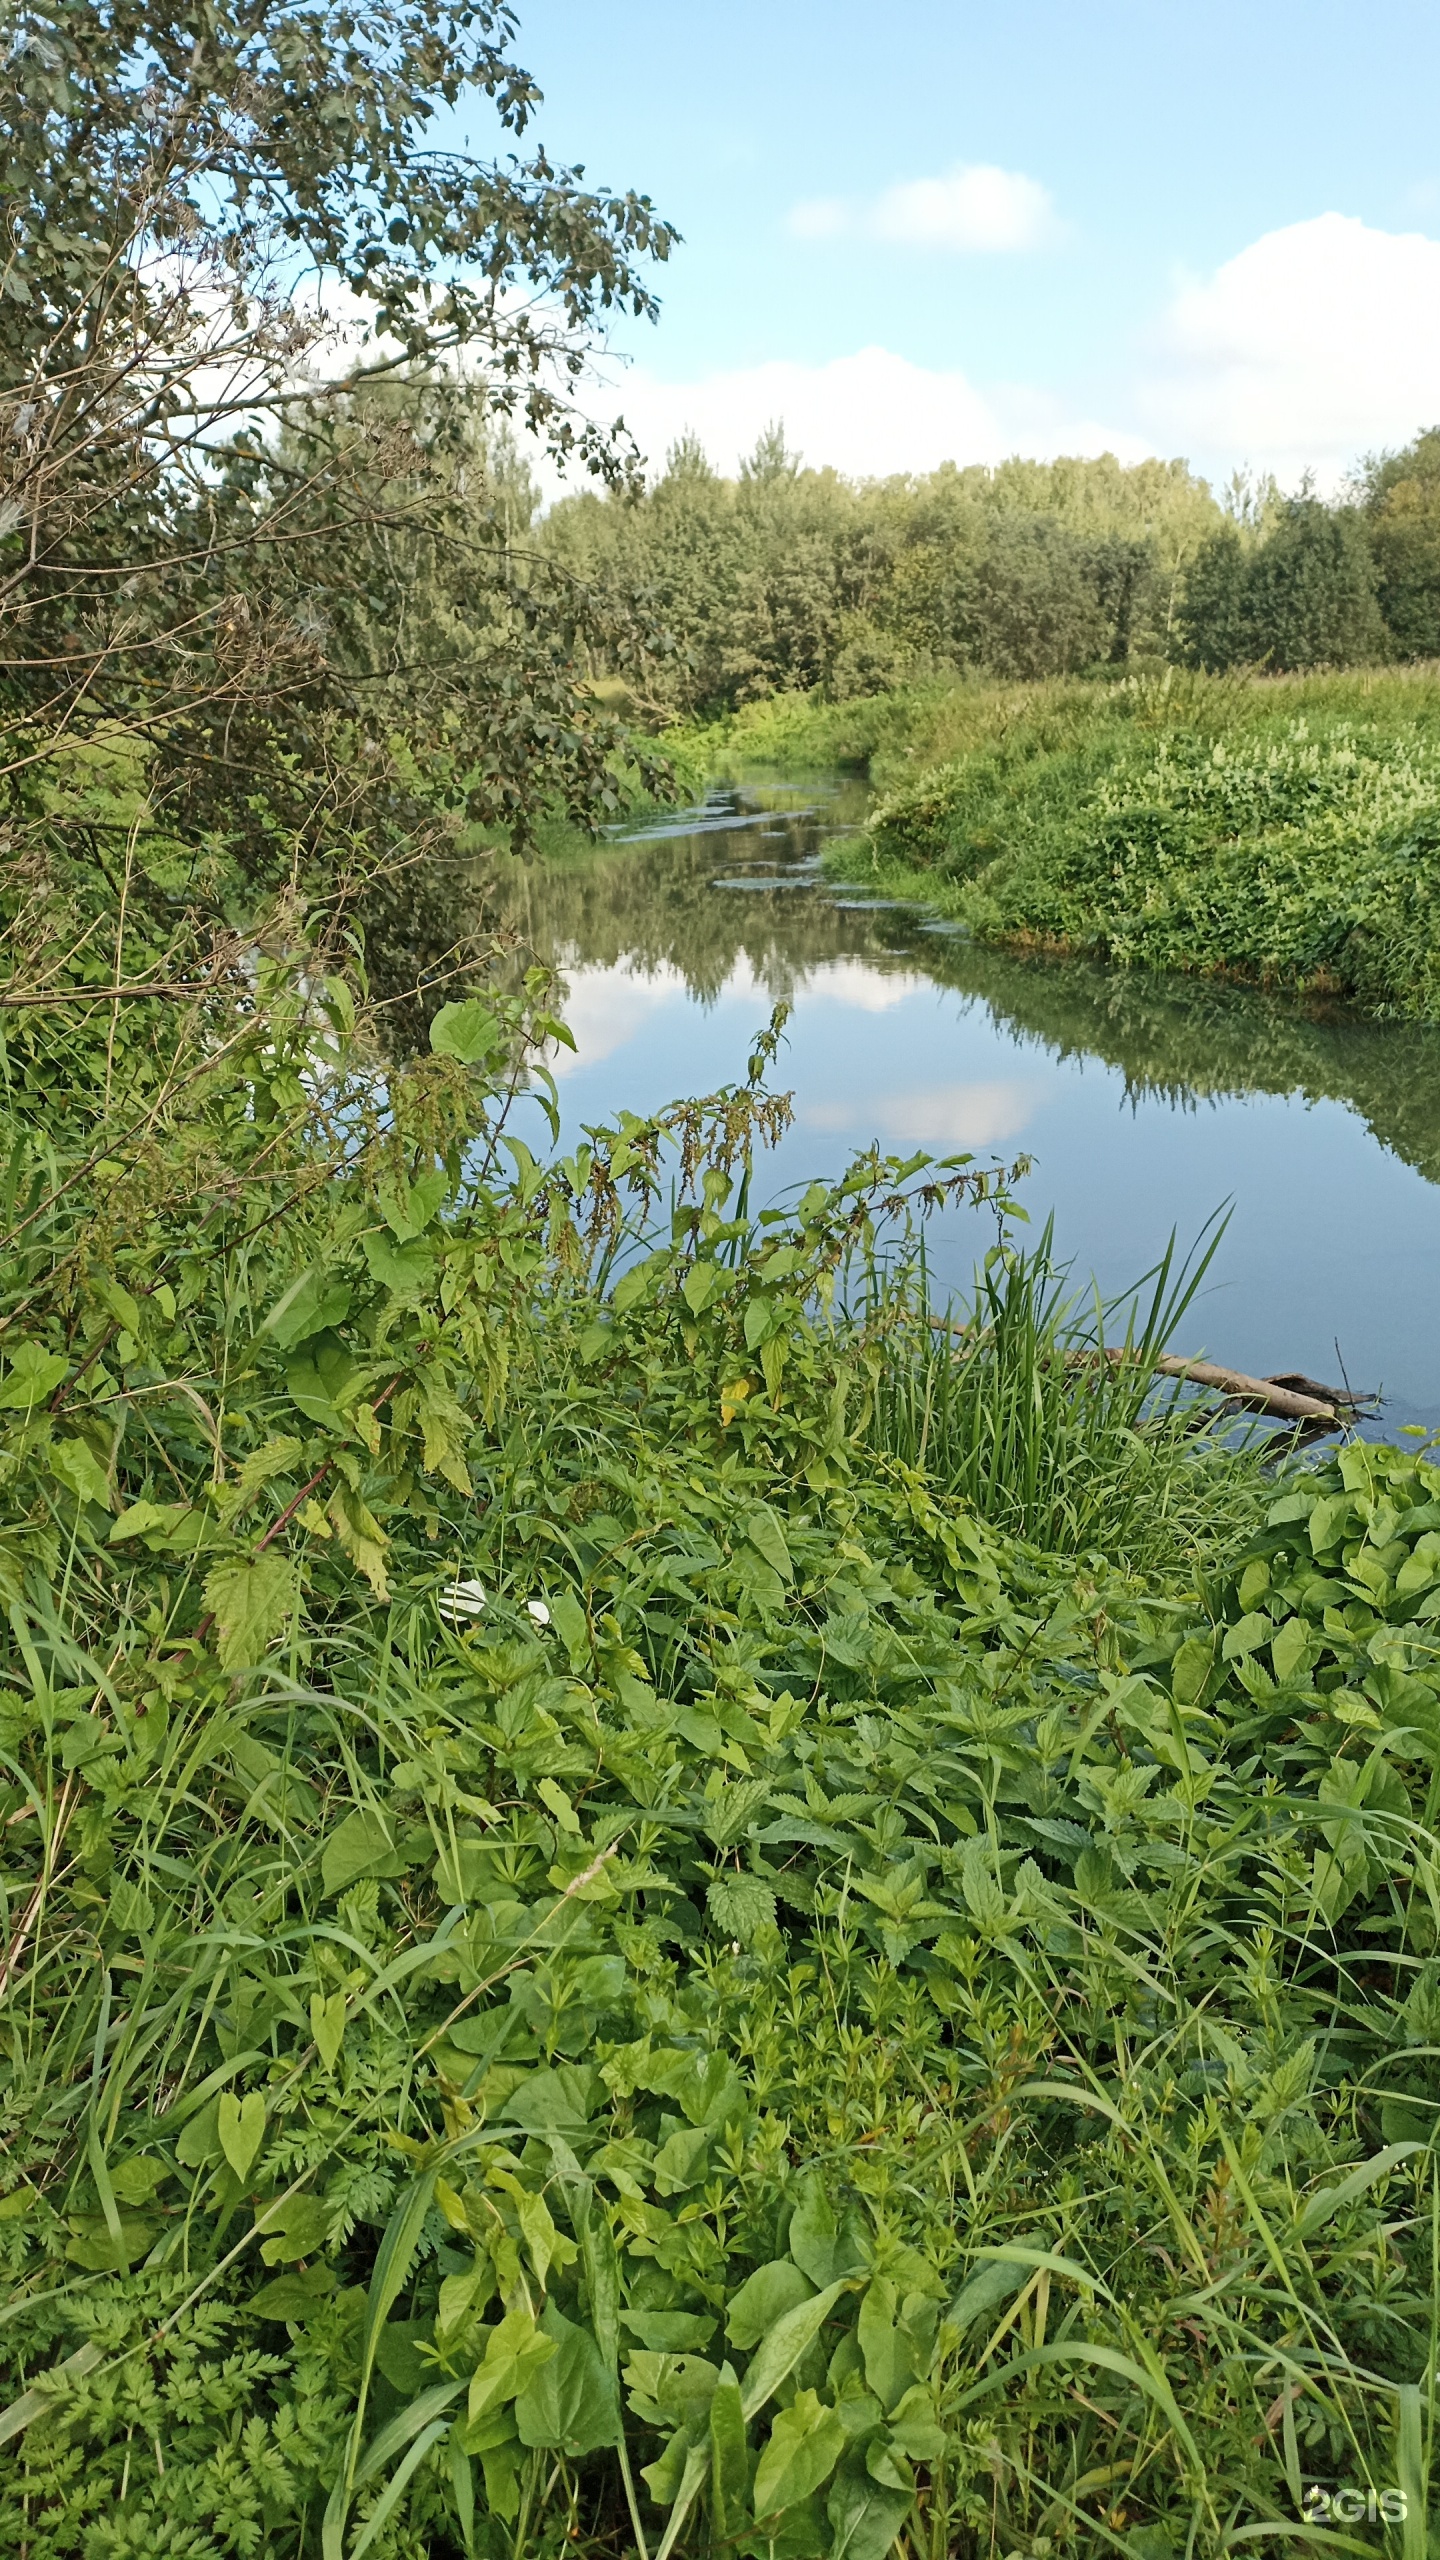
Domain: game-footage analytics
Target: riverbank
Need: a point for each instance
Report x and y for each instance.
(1278, 832)
(634, 1904)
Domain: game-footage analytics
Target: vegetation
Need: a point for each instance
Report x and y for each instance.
(651, 1896)
(789, 580)
(1280, 834)
(641, 1911)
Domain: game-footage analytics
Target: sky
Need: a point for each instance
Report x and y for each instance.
(934, 230)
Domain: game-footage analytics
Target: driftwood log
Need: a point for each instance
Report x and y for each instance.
(1289, 1397)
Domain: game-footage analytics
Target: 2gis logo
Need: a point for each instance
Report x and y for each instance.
(1350, 2504)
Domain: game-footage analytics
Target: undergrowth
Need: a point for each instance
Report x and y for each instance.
(639, 1914)
(1282, 833)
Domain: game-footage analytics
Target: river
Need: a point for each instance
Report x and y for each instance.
(1146, 1104)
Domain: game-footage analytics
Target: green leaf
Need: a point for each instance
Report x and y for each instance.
(702, 1282)
(1289, 1649)
(327, 2025)
(761, 2300)
(77, 1466)
(556, 1800)
(467, 1031)
(295, 2229)
(729, 2460)
(984, 2291)
(33, 1375)
(1246, 1636)
(240, 2127)
(515, 2351)
(362, 1846)
(824, 2250)
(250, 1600)
(782, 2347)
(311, 1304)
(741, 1906)
(324, 1386)
(864, 2516)
(891, 2363)
(569, 2404)
(1319, 2208)
(295, 2296)
(763, 1529)
(805, 2444)
(407, 1270)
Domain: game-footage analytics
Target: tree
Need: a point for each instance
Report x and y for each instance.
(251, 312)
(1303, 595)
(1310, 591)
(1212, 626)
(1401, 498)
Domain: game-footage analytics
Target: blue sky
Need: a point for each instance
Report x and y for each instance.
(931, 228)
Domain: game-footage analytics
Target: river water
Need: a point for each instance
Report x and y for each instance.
(1146, 1104)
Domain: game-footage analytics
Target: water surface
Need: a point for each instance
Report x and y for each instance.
(1145, 1103)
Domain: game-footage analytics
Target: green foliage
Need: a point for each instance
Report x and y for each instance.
(1284, 836)
(605, 1940)
(1303, 596)
(788, 579)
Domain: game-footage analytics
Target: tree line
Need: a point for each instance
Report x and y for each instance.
(786, 578)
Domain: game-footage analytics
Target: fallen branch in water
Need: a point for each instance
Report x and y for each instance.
(1289, 1397)
(1284, 1398)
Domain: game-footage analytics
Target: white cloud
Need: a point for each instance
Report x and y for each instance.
(933, 1115)
(975, 208)
(866, 414)
(1314, 345)
(1309, 348)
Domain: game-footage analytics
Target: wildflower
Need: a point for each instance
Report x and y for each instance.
(462, 1600)
(538, 1611)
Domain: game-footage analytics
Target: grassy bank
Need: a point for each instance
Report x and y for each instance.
(642, 1916)
(1283, 833)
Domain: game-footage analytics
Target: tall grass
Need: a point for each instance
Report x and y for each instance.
(1037, 1403)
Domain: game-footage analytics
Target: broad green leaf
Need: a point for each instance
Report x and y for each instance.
(891, 2362)
(312, 1304)
(1289, 1648)
(467, 1031)
(32, 1377)
(77, 1466)
(556, 1801)
(806, 2442)
(569, 2405)
(766, 1535)
(782, 2347)
(363, 1845)
(515, 2351)
(296, 2229)
(240, 2126)
(406, 1270)
(865, 2517)
(250, 1599)
(741, 1906)
(761, 2300)
(702, 1283)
